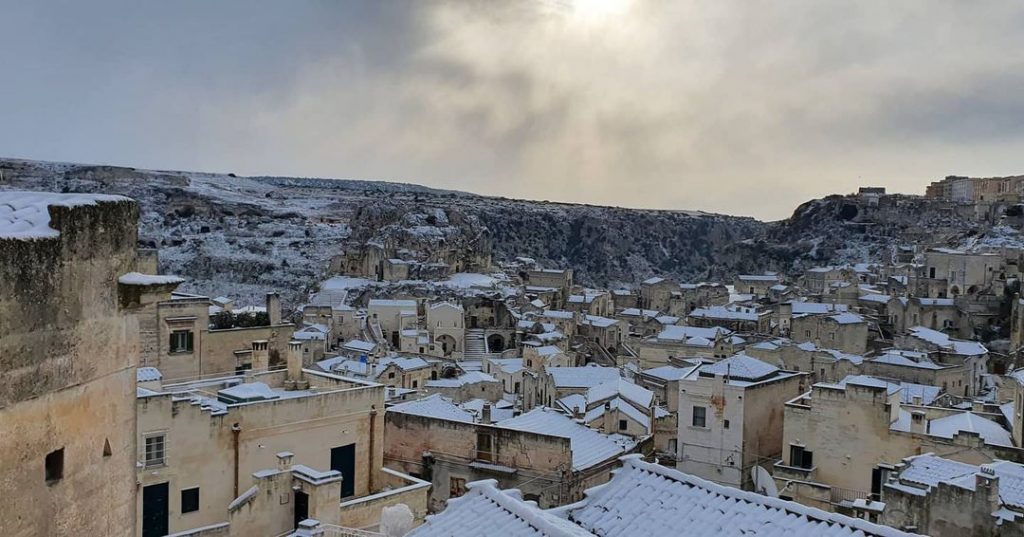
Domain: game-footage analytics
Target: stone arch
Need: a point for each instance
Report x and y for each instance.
(495, 343)
(448, 344)
(954, 291)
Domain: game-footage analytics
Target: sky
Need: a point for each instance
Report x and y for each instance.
(746, 107)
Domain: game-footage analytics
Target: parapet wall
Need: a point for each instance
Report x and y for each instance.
(59, 318)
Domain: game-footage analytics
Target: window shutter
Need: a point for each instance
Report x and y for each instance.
(188, 341)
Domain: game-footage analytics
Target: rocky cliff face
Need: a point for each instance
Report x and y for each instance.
(243, 236)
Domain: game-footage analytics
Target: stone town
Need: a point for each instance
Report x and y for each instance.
(503, 398)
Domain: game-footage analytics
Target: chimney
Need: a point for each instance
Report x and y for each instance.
(918, 422)
(485, 414)
(987, 482)
(294, 379)
(260, 355)
(284, 460)
(274, 308)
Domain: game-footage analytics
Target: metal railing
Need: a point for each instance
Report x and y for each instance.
(839, 495)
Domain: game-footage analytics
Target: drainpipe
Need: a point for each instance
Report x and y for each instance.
(235, 431)
(373, 469)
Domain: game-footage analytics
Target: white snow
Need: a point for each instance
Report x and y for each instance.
(26, 215)
(137, 278)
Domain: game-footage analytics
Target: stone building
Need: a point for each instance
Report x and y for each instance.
(945, 498)
(390, 317)
(179, 338)
(758, 285)
(675, 343)
(642, 499)
(846, 332)
(656, 293)
(697, 295)
(949, 273)
(942, 349)
(817, 279)
(731, 416)
(69, 347)
(905, 313)
(735, 318)
(558, 282)
(821, 364)
(544, 453)
(446, 323)
(207, 447)
(841, 440)
(591, 302)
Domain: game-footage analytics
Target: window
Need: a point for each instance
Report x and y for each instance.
(55, 466)
(190, 500)
(807, 333)
(931, 272)
(456, 487)
(155, 450)
(726, 424)
(622, 425)
(181, 341)
(483, 447)
(832, 336)
(800, 457)
(391, 375)
(673, 445)
(415, 384)
(700, 415)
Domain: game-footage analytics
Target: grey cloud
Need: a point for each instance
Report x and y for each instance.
(739, 107)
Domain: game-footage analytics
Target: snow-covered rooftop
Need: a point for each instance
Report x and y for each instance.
(943, 341)
(990, 431)
(620, 388)
(582, 377)
(26, 215)
(740, 367)
(137, 278)
(148, 374)
(927, 471)
(485, 508)
(434, 406)
(470, 377)
(588, 446)
(655, 501)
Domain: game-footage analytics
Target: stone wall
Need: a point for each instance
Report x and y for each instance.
(67, 375)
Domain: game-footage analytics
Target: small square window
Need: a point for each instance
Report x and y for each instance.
(725, 423)
(699, 416)
(190, 500)
(622, 425)
(155, 450)
(55, 466)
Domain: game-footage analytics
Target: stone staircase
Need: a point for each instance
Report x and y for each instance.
(476, 346)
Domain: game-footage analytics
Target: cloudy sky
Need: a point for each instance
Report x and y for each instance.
(744, 107)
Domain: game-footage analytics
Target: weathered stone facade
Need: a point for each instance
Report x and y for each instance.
(68, 353)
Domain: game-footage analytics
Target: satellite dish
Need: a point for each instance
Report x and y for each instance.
(763, 482)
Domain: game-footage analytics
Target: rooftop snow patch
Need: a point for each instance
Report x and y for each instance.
(26, 215)
(652, 500)
(137, 278)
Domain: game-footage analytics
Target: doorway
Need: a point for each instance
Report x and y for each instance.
(343, 459)
(154, 510)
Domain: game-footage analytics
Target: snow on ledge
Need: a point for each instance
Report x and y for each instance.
(26, 215)
(137, 278)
